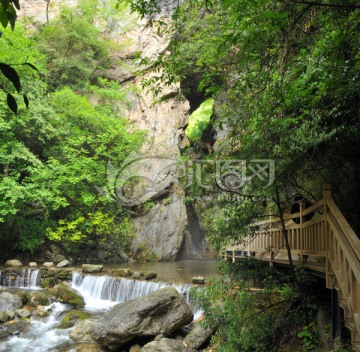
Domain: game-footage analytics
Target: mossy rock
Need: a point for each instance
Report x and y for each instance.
(39, 298)
(48, 282)
(65, 294)
(23, 295)
(72, 317)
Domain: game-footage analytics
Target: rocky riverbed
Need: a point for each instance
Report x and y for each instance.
(90, 310)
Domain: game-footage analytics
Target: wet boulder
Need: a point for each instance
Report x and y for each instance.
(160, 312)
(9, 301)
(65, 294)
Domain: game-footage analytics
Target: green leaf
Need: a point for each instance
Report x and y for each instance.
(17, 4)
(11, 14)
(12, 104)
(4, 4)
(26, 101)
(32, 66)
(4, 19)
(11, 74)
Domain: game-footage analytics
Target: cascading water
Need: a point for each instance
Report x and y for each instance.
(102, 292)
(41, 336)
(28, 278)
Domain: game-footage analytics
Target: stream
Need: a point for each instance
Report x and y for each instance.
(100, 293)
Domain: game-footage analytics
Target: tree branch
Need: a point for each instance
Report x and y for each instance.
(315, 3)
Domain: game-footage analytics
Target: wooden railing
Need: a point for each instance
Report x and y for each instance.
(327, 235)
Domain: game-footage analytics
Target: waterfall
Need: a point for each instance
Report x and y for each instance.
(101, 292)
(27, 279)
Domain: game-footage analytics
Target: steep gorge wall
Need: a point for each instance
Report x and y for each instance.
(159, 232)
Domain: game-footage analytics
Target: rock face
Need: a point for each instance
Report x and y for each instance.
(9, 301)
(161, 230)
(161, 312)
(160, 233)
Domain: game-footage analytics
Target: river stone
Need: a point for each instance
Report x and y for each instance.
(198, 336)
(4, 316)
(63, 263)
(91, 268)
(13, 263)
(9, 301)
(150, 275)
(65, 294)
(23, 313)
(166, 345)
(48, 264)
(32, 264)
(198, 280)
(11, 314)
(82, 331)
(121, 272)
(12, 327)
(161, 312)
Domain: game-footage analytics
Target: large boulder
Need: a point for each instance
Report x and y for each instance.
(65, 294)
(161, 312)
(91, 268)
(166, 345)
(9, 301)
(13, 263)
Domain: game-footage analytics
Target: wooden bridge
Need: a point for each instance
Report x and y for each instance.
(326, 245)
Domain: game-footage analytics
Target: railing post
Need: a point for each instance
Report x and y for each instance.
(327, 192)
(302, 207)
(326, 196)
(271, 242)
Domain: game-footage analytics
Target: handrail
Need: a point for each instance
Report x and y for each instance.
(328, 235)
(345, 227)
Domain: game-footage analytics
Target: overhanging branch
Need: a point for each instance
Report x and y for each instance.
(315, 3)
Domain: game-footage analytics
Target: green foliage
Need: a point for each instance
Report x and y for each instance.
(199, 120)
(74, 48)
(54, 155)
(308, 338)
(252, 317)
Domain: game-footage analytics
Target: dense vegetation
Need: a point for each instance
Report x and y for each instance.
(284, 76)
(54, 154)
(285, 79)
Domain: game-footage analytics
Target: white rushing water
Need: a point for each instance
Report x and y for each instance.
(41, 336)
(28, 278)
(102, 292)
